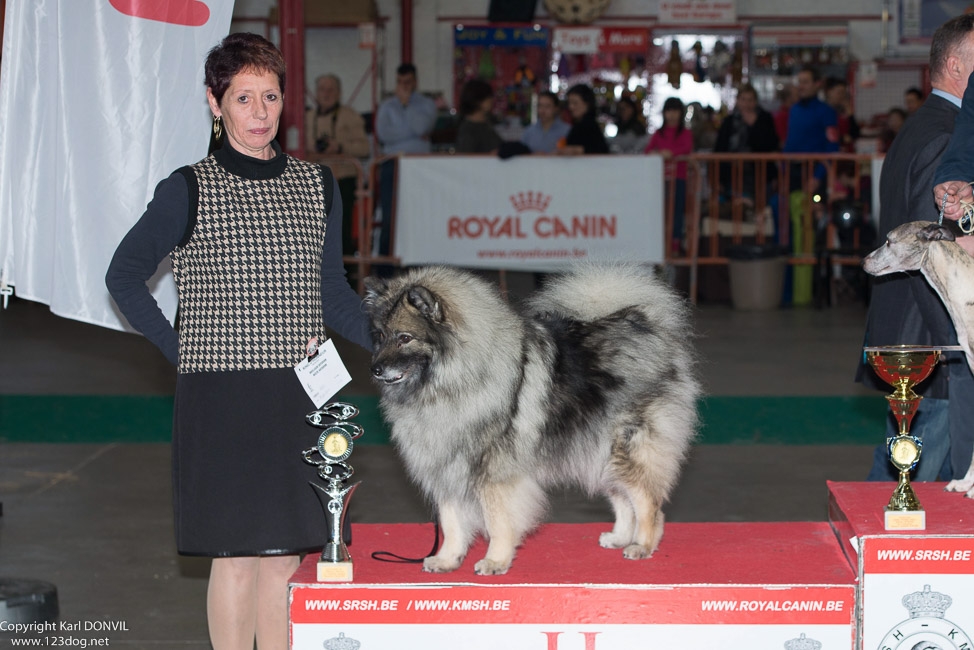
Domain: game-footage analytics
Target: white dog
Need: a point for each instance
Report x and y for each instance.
(931, 249)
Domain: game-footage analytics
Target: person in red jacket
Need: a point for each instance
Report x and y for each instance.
(672, 140)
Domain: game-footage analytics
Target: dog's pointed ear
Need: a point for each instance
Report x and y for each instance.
(374, 289)
(935, 232)
(423, 299)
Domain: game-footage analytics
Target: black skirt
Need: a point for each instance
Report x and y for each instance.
(240, 485)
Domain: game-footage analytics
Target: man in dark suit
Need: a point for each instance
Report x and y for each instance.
(904, 309)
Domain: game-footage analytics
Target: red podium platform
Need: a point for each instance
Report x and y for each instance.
(915, 587)
(723, 585)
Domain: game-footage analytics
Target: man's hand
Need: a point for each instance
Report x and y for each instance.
(956, 191)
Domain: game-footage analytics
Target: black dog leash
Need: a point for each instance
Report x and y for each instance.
(386, 556)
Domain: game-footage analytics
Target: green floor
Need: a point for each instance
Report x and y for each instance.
(726, 420)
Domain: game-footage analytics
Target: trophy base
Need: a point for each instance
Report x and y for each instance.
(334, 571)
(906, 520)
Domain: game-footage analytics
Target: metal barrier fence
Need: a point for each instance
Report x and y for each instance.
(730, 199)
(817, 205)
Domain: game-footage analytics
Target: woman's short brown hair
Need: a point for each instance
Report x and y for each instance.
(239, 52)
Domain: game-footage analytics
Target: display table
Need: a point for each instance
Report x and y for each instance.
(727, 585)
(914, 586)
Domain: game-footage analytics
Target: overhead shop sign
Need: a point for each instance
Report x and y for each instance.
(697, 12)
(799, 35)
(486, 36)
(590, 40)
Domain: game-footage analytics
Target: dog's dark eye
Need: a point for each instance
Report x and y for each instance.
(403, 339)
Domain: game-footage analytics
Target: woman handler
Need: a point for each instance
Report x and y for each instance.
(257, 262)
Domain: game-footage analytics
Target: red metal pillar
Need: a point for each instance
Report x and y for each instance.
(407, 31)
(292, 47)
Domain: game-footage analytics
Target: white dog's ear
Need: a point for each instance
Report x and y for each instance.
(423, 299)
(374, 289)
(935, 232)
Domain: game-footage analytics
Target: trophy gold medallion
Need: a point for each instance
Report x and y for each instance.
(903, 367)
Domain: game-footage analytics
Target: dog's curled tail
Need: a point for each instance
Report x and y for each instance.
(592, 291)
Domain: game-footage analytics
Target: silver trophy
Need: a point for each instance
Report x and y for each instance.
(334, 447)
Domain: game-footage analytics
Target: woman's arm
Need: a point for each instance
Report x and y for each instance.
(151, 239)
(341, 306)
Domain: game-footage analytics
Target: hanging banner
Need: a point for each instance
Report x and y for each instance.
(99, 101)
(531, 213)
(697, 12)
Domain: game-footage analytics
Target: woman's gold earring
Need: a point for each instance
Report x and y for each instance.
(217, 127)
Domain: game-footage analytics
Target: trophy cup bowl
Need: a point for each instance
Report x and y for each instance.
(903, 367)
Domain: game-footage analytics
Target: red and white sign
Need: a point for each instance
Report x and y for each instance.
(533, 213)
(625, 39)
(577, 40)
(707, 12)
(589, 40)
(572, 617)
(917, 589)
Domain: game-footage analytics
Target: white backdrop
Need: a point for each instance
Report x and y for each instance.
(536, 213)
(96, 107)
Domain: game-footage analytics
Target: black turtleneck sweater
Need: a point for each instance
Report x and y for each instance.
(168, 222)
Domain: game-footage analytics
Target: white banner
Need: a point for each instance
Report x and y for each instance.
(532, 213)
(99, 101)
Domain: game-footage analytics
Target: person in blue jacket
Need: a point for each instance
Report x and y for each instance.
(813, 127)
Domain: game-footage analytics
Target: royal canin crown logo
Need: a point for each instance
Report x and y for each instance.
(537, 201)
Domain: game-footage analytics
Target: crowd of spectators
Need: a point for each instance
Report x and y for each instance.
(575, 124)
(814, 115)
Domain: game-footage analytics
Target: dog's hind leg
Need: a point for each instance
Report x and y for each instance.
(622, 532)
(457, 535)
(649, 524)
(511, 510)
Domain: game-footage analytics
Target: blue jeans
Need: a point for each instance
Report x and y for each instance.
(931, 425)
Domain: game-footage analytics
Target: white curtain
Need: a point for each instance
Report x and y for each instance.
(99, 101)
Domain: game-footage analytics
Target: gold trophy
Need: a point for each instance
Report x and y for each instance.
(904, 366)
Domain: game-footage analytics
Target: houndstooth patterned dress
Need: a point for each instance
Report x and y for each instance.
(248, 277)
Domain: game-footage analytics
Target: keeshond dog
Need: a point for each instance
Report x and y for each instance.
(592, 385)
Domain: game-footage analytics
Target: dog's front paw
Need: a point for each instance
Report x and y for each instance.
(961, 485)
(488, 567)
(636, 552)
(440, 564)
(611, 540)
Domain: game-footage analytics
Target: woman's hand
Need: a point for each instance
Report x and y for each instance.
(956, 191)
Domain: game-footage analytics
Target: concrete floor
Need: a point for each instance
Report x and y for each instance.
(95, 519)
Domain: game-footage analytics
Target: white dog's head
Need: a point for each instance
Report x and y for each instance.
(905, 247)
